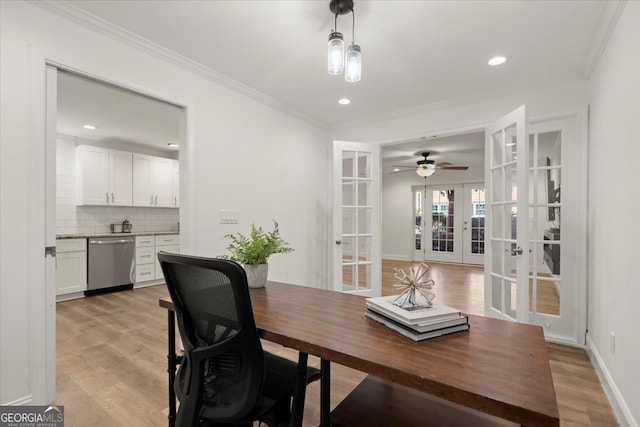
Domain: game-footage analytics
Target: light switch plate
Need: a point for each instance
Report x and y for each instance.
(229, 216)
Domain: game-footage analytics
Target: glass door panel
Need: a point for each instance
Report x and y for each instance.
(506, 268)
(545, 166)
(356, 220)
(473, 225)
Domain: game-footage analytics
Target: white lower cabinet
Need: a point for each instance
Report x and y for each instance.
(71, 266)
(145, 264)
(170, 243)
(147, 248)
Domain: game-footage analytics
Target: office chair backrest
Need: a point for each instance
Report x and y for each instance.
(224, 362)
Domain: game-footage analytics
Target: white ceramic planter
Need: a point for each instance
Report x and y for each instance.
(256, 274)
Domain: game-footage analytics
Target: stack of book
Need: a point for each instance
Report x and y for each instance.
(417, 323)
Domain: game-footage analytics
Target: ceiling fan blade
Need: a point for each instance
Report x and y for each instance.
(403, 166)
(406, 170)
(441, 164)
(454, 168)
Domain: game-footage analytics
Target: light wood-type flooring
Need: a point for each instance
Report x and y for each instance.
(111, 358)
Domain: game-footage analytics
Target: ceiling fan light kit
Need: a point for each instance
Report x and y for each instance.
(337, 60)
(426, 170)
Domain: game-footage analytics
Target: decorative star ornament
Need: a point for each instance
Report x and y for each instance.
(415, 281)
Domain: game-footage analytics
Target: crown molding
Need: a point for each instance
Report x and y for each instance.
(607, 25)
(104, 27)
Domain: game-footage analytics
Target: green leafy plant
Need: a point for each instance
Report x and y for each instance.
(258, 246)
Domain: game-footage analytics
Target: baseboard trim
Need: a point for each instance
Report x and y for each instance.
(394, 257)
(25, 400)
(620, 408)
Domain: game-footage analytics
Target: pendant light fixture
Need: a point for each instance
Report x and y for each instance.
(337, 61)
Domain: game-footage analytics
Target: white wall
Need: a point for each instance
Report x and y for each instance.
(614, 205)
(73, 219)
(245, 156)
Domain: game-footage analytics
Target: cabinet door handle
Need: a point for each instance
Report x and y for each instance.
(151, 201)
(156, 200)
(113, 199)
(107, 194)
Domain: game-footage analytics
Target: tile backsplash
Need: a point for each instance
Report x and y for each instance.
(72, 219)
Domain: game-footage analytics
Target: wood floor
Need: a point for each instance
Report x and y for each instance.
(111, 358)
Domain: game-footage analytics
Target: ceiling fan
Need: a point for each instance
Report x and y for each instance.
(427, 167)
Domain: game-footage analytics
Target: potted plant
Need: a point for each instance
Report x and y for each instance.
(253, 251)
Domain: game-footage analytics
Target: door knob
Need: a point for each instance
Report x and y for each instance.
(517, 251)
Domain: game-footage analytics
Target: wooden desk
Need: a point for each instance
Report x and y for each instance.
(498, 368)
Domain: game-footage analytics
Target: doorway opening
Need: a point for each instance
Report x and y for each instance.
(46, 149)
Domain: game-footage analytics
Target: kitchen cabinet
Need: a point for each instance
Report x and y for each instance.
(147, 248)
(168, 243)
(153, 181)
(103, 176)
(71, 266)
(145, 256)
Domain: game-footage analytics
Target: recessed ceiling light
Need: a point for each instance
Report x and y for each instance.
(497, 60)
(396, 169)
(344, 101)
(173, 145)
(90, 127)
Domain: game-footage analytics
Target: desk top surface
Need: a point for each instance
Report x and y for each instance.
(497, 367)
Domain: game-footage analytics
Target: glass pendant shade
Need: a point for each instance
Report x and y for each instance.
(335, 53)
(353, 71)
(426, 170)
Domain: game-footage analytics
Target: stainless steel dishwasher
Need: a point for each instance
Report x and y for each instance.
(110, 263)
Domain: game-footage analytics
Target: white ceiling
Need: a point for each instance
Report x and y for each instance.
(415, 53)
(117, 114)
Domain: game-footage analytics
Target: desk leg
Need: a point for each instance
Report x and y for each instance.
(325, 393)
(171, 367)
(299, 391)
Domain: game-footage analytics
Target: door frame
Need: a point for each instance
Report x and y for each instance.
(41, 279)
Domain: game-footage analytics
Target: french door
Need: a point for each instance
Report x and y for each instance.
(438, 219)
(449, 223)
(356, 218)
(473, 224)
(507, 264)
(534, 267)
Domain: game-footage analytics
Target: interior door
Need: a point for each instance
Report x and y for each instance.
(557, 255)
(473, 223)
(507, 248)
(356, 218)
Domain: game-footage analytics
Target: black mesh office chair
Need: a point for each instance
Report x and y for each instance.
(225, 378)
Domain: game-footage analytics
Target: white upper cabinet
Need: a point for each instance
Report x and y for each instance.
(153, 181)
(103, 176)
(120, 178)
(162, 180)
(143, 180)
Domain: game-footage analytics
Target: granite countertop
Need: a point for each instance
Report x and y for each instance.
(139, 233)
